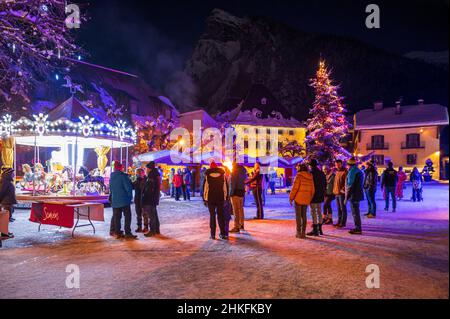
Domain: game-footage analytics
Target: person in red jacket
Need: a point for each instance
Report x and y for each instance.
(178, 184)
(255, 183)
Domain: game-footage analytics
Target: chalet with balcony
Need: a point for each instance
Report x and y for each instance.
(407, 135)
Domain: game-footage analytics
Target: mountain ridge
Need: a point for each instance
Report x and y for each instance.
(233, 53)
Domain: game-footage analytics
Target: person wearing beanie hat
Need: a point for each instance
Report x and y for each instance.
(354, 193)
(8, 192)
(121, 196)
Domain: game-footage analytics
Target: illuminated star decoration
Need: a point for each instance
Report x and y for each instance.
(6, 126)
(86, 126)
(40, 123)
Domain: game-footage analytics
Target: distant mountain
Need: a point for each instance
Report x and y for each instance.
(233, 53)
(438, 58)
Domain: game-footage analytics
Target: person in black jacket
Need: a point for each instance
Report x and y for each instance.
(320, 185)
(138, 186)
(389, 180)
(215, 194)
(370, 188)
(150, 198)
(8, 192)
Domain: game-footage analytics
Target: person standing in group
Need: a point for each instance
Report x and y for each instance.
(178, 184)
(255, 182)
(202, 178)
(354, 193)
(171, 185)
(416, 180)
(329, 196)
(320, 185)
(8, 192)
(400, 183)
(138, 186)
(193, 182)
(121, 195)
(272, 181)
(215, 193)
(150, 199)
(389, 181)
(237, 193)
(370, 188)
(339, 192)
(301, 195)
(187, 184)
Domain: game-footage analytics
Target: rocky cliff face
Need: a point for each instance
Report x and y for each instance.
(235, 52)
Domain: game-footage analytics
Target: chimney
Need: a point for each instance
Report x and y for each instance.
(420, 101)
(378, 105)
(398, 108)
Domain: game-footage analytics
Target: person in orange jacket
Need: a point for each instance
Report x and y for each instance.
(301, 195)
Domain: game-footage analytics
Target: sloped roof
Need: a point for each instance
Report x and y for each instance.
(259, 107)
(70, 109)
(411, 116)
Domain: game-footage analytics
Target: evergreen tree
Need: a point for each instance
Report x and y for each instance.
(327, 124)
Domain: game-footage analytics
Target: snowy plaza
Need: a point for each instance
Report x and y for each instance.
(410, 248)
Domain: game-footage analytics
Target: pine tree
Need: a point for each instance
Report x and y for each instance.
(327, 124)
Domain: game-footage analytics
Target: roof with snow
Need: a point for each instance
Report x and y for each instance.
(103, 88)
(410, 116)
(258, 107)
(71, 109)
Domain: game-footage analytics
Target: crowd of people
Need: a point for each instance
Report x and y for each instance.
(223, 192)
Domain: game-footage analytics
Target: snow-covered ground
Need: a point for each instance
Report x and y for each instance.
(267, 261)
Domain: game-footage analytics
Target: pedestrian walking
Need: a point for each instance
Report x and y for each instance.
(370, 188)
(329, 196)
(400, 183)
(354, 193)
(138, 186)
(272, 181)
(416, 180)
(150, 199)
(215, 193)
(121, 195)
(389, 181)
(339, 191)
(320, 185)
(237, 193)
(255, 183)
(301, 195)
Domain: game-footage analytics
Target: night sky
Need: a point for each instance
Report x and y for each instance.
(154, 38)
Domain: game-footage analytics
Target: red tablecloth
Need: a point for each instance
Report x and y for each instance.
(4, 221)
(52, 214)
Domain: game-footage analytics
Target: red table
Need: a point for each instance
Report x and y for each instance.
(63, 213)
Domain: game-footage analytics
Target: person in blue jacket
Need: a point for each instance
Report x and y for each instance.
(354, 193)
(121, 196)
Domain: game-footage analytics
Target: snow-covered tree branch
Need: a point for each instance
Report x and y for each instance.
(34, 42)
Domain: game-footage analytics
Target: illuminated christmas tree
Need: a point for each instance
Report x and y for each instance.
(327, 124)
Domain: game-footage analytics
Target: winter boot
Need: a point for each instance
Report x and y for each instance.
(314, 231)
(320, 229)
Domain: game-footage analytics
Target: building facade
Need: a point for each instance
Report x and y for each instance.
(406, 135)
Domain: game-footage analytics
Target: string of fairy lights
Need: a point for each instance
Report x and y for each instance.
(41, 126)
